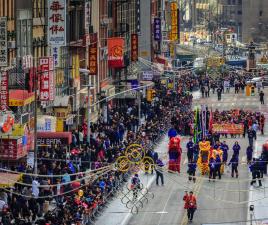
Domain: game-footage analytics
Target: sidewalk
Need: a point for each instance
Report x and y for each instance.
(117, 212)
(258, 196)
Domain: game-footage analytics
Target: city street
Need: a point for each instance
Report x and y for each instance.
(218, 202)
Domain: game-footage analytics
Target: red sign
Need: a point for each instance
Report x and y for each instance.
(12, 148)
(93, 54)
(46, 79)
(115, 52)
(4, 91)
(228, 128)
(134, 48)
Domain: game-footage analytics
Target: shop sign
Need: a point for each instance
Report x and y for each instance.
(147, 75)
(4, 91)
(174, 21)
(50, 141)
(27, 62)
(93, 54)
(116, 52)
(56, 54)
(157, 29)
(134, 48)
(138, 16)
(46, 79)
(3, 42)
(57, 22)
(87, 16)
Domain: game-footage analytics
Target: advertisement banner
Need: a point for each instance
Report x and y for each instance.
(228, 128)
(134, 47)
(56, 30)
(157, 29)
(93, 54)
(4, 91)
(46, 79)
(116, 52)
(174, 21)
(3, 42)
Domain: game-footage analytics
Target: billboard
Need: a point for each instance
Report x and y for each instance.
(93, 54)
(116, 52)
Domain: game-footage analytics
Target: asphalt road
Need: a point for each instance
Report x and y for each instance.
(218, 202)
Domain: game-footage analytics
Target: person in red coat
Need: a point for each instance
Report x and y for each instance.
(190, 205)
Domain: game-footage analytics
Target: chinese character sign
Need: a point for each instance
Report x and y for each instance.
(157, 29)
(134, 48)
(138, 16)
(56, 22)
(93, 54)
(56, 54)
(174, 21)
(87, 16)
(116, 52)
(4, 91)
(3, 42)
(46, 79)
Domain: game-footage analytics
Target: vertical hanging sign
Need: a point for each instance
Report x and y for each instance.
(3, 42)
(93, 54)
(134, 48)
(116, 52)
(4, 91)
(57, 22)
(46, 79)
(174, 21)
(138, 16)
(157, 29)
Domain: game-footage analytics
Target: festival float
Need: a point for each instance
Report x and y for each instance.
(174, 152)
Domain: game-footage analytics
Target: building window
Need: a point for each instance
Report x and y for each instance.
(233, 2)
(239, 2)
(229, 2)
(239, 12)
(260, 13)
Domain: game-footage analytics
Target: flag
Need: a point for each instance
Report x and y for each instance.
(210, 120)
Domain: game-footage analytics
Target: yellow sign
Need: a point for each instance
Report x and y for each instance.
(174, 21)
(172, 50)
(20, 102)
(215, 62)
(59, 125)
(75, 66)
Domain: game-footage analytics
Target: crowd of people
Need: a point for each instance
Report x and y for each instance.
(54, 195)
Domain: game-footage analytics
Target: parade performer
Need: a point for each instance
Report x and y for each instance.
(174, 151)
(204, 156)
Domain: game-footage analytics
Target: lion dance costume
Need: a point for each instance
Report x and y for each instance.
(174, 152)
(205, 153)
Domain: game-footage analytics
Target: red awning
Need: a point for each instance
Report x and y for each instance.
(63, 137)
(20, 94)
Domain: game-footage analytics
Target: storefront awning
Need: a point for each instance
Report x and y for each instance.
(20, 97)
(56, 138)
